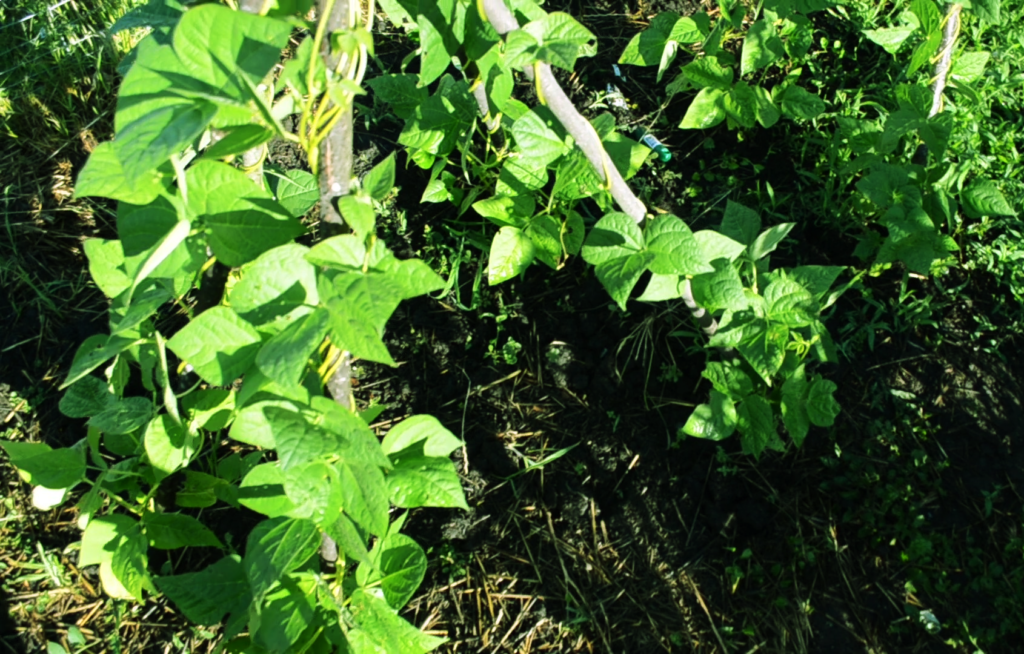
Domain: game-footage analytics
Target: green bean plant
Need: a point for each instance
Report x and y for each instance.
(225, 406)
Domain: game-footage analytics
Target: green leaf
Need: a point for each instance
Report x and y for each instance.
(927, 15)
(719, 290)
(151, 140)
(756, 423)
(295, 190)
(822, 408)
(106, 266)
(218, 344)
(715, 245)
(101, 538)
(358, 213)
(224, 48)
(425, 481)
(237, 140)
(276, 547)
(359, 306)
(129, 564)
(987, 11)
(169, 446)
(891, 38)
(251, 425)
(676, 250)
(359, 441)
(399, 91)
(615, 235)
(244, 221)
(769, 239)
(816, 279)
(560, 39)
(288, 614)
(276, 289)
(124, 416)
(349, 539)
(741, 105)
(262, 490)
(297, 441)
(715, 421)
(171, 531)
(380, 629)
(740, 223)
(512, 251)
(706, 110)
(765, 349)
(545, 233)
(315, 491)
(399, 565)
(728, 377)
(49, 468)
(761, 46)
(790, 303)
(663, 287)
(970, 66)
(381, 179)
(284, 357)
(205, 597)
(619, 276)
(924, 52)
(982, 197)
(90, 358)
(425, 433)
(156, 13)
(86, 398)
(536, 138)
(794, 411)
(104, 176)
(364, 495)
(706, 72)
(798, 104)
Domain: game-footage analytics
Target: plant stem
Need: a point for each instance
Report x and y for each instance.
(335, 174)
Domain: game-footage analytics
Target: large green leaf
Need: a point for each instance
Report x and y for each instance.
(86, 398)
(223, 47)
(380, 629)
(425, 481)
(262, 490)
(298, 442)
(285, 356)
(789, 303)
(218, 344)
(170, 531)
(288, 620)
(512, 252)
(104, 175)
(822, 408)
(715, 421)
(424, 432)
(619, 276)
(124, 416)
(315, 490)
(761, 46)
(276, 547)
(706, 110)
(169, 446)
(365, 495)
(615, 235)
(740, 223)
(982, 197)
(205, 597)
(794, 409)
(719, 290)
(769, 239)
(756, 423)
(536, 137)
(398, 566)
(243, 220)
(148, 142)
(765, 349)
(277, 288)
(557, 38)
(676, 250)
(359, 305)
(46, 467)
